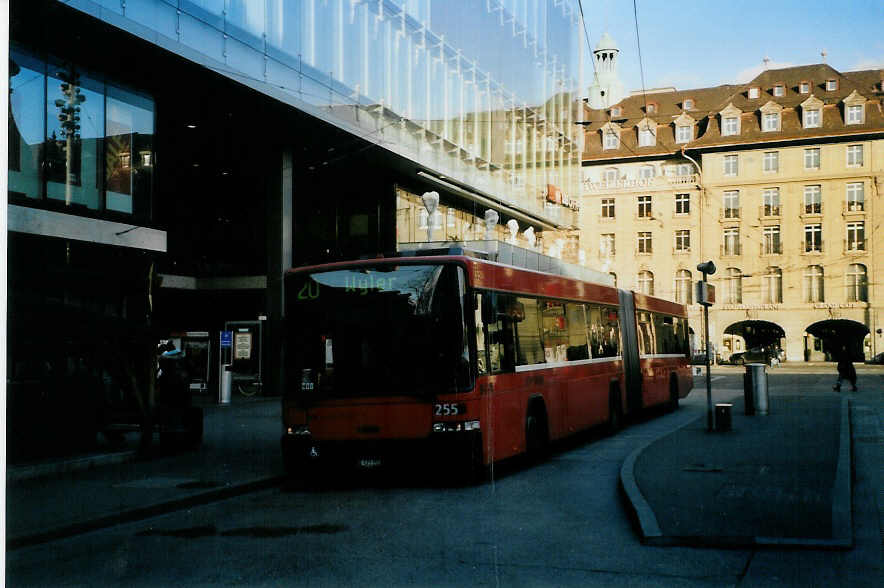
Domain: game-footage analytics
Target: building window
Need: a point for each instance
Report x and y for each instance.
(646, 282)
(811, 118)
(682, 204)
(730, 126)
(754, 92)
(813, 200)
(612, 139)
(772, 286)
(646, 137)
(804, 87)
(733, 286)
(644, 242)
(682, 241)
(857, 283)
(856, 236)
(771, 161)
(771, 244)
(611, 175)
(613, 278)
(779, 90)
(644, 206)
(831, 85)
(813, 284)
(646, 172)
(855, 114)
(731, 201)
(606, 245)
(607, 208)
(813, 238)
(855, 197)
(683, 133)
(78, 139)
(688, 104)
(770, 121)
(854, 156)
(616, 111)
(683, 294)
(731, 165)
(812, 158)
(731, 241)
(771, 202)
(684, 169)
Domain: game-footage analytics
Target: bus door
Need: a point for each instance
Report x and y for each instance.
(631, 367)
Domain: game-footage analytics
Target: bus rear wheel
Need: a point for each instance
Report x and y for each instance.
(673, 396)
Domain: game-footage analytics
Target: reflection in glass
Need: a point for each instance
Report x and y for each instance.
(128, 144)
(74, 130)
(26, 91)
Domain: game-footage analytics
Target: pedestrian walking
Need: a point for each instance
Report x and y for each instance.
(846, 371)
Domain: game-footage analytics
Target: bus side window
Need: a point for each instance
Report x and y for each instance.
(498, 335)
(576, 320)
(481, 360)
(646, 340)
(529, 351)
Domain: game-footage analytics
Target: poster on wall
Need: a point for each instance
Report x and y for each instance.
(242, 346)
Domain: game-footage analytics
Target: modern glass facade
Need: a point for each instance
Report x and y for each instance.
(77, 140)
(477, 91)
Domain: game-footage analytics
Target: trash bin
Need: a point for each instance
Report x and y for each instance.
(723, 417)
(226, 384)
(755, 389)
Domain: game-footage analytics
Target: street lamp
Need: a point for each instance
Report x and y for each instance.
(431, 202)
(706, 297)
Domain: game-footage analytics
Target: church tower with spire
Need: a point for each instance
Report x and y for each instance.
(606, 89)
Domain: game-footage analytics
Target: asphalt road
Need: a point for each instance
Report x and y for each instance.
(558, 523)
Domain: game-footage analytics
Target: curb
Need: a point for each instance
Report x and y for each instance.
(53, 468)
(141, 513)
(842, 521)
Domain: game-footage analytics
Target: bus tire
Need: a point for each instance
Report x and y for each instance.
(536, 431)
(672, 406)
(615, 411)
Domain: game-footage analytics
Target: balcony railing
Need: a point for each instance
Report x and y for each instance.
(731, 250)
(854, 246)
(769, 210)
(811, 246)
(627, 184)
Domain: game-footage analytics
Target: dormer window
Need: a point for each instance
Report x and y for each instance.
(612, 141)
(754, 92)
(831, 85)
(683, 134)
(616, 111)
(652, 108)
(804, 88)
(855, 109)
(646, 137)
(855, 114)
(770, 121)
(779, 90)
(730, 125)
(688, 104)
(811, 118)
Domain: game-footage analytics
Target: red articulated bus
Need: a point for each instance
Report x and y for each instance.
(471, 361)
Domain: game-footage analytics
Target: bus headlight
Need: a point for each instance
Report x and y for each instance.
(451, 427)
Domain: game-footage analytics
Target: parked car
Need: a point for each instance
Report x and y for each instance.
(876, 359)
(754, 355)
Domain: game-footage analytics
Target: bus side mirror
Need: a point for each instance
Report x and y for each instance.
(489, 308)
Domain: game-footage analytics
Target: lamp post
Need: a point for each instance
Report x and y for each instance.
(706, 297)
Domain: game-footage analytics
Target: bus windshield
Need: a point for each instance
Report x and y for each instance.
(384, 330)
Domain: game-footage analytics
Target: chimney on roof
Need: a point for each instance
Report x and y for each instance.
(823, 53)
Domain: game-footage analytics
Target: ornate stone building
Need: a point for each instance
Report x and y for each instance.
(778, 181)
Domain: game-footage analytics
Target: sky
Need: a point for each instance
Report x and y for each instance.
(694, 44)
